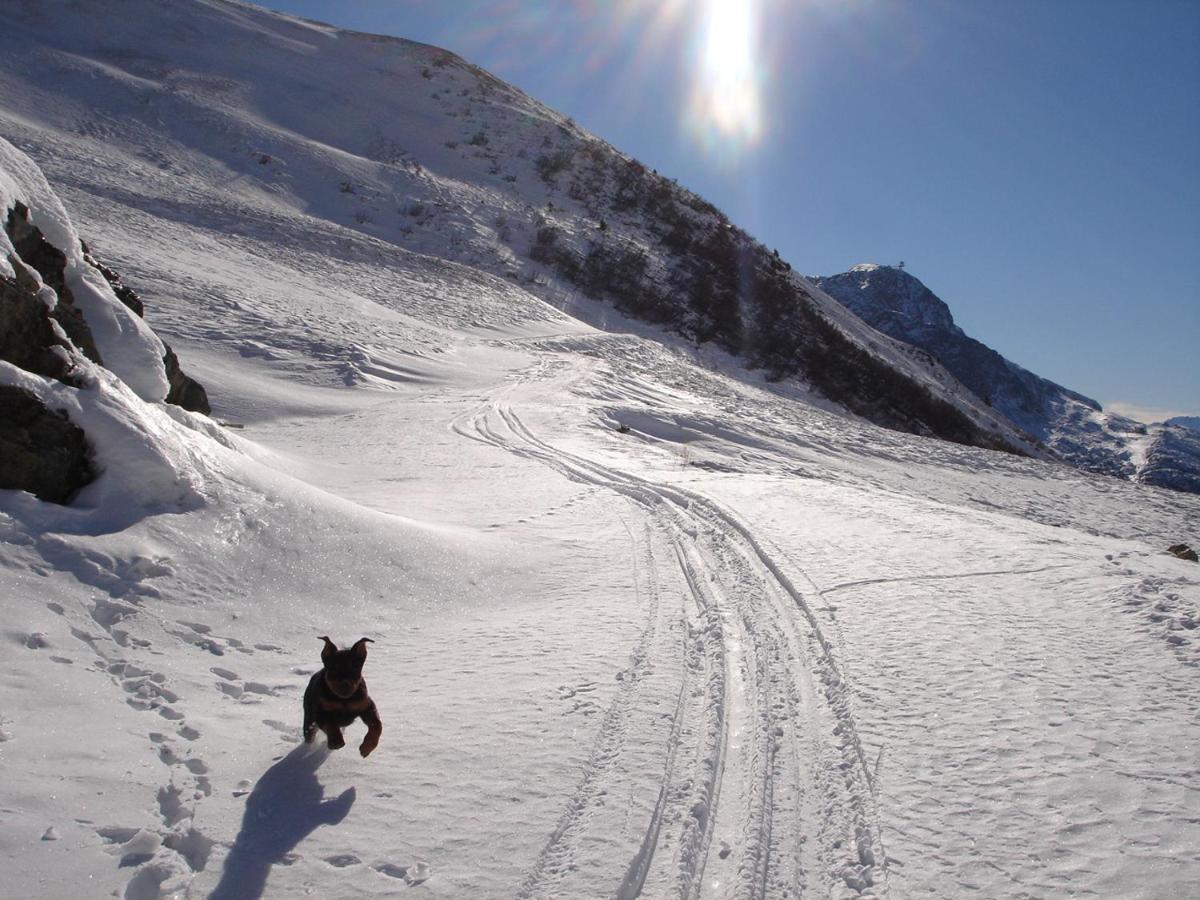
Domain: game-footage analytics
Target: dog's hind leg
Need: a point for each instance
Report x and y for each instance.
(374, 730)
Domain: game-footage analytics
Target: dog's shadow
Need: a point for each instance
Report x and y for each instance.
(286, 805)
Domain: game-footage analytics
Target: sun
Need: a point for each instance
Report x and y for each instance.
(725, 109)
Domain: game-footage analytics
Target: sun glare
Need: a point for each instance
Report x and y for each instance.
(726, 106)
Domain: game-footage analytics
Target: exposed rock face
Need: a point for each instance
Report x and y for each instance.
(27, 339)
(125, 294)
(185, 391)
(1071, 425)
(1183, 551)
(41, 451)
(50, 262)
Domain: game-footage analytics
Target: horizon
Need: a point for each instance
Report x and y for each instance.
(1022, 139)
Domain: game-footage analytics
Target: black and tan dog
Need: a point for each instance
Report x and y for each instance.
(337, 695)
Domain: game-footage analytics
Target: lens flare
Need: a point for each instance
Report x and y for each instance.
(725, 110)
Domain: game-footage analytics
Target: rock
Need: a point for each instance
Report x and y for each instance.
(41, 450)
(50, 262)
(125, 294)
(27, 338)
(185, 391)
(1183, 551)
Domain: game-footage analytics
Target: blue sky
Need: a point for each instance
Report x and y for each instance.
(1035, 162)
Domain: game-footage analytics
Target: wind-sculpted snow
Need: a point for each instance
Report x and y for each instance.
(646, 623)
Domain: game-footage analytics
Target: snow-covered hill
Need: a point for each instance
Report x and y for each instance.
(1074, 427)
(414, 147)
(646, 623)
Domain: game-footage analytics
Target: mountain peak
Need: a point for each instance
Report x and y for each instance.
(870, 289)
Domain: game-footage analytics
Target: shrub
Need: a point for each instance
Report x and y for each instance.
(550, 164)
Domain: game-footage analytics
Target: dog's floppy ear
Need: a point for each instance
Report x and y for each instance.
(328, 650)
(360, 647)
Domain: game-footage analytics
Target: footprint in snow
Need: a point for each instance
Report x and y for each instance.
(342, 860)
(412, 875)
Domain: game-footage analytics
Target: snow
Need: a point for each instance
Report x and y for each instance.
(128, 346)
(747, 647)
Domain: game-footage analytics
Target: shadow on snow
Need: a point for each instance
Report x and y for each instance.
(286, 805)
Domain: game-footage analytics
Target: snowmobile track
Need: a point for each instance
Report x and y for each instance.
(799, 810)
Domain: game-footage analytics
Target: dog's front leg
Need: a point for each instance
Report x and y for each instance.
(374, 730)
(333, 736)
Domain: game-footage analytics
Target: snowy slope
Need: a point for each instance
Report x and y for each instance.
(1075, 428)
(645, 623)
(410, 145)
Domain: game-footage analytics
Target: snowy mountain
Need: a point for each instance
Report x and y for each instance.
(646, 622)
(414, 147)
(1192, 422)
(1074, 427)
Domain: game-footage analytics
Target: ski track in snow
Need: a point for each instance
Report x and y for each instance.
(762, 775)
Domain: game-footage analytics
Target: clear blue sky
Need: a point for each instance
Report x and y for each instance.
(1035, 162)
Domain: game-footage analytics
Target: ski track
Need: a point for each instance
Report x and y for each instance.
(761, 752)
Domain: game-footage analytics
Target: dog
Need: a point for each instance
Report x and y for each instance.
(337, 695)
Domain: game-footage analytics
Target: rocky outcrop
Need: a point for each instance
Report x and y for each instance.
(27, 337)
(893, 301)
(41, 451)
(1183, 551)
(125, 294)
(43, 332)
(185, 391)
(50, 262)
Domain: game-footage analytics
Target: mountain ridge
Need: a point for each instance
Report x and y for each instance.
(1075, 427)
(430, 153)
